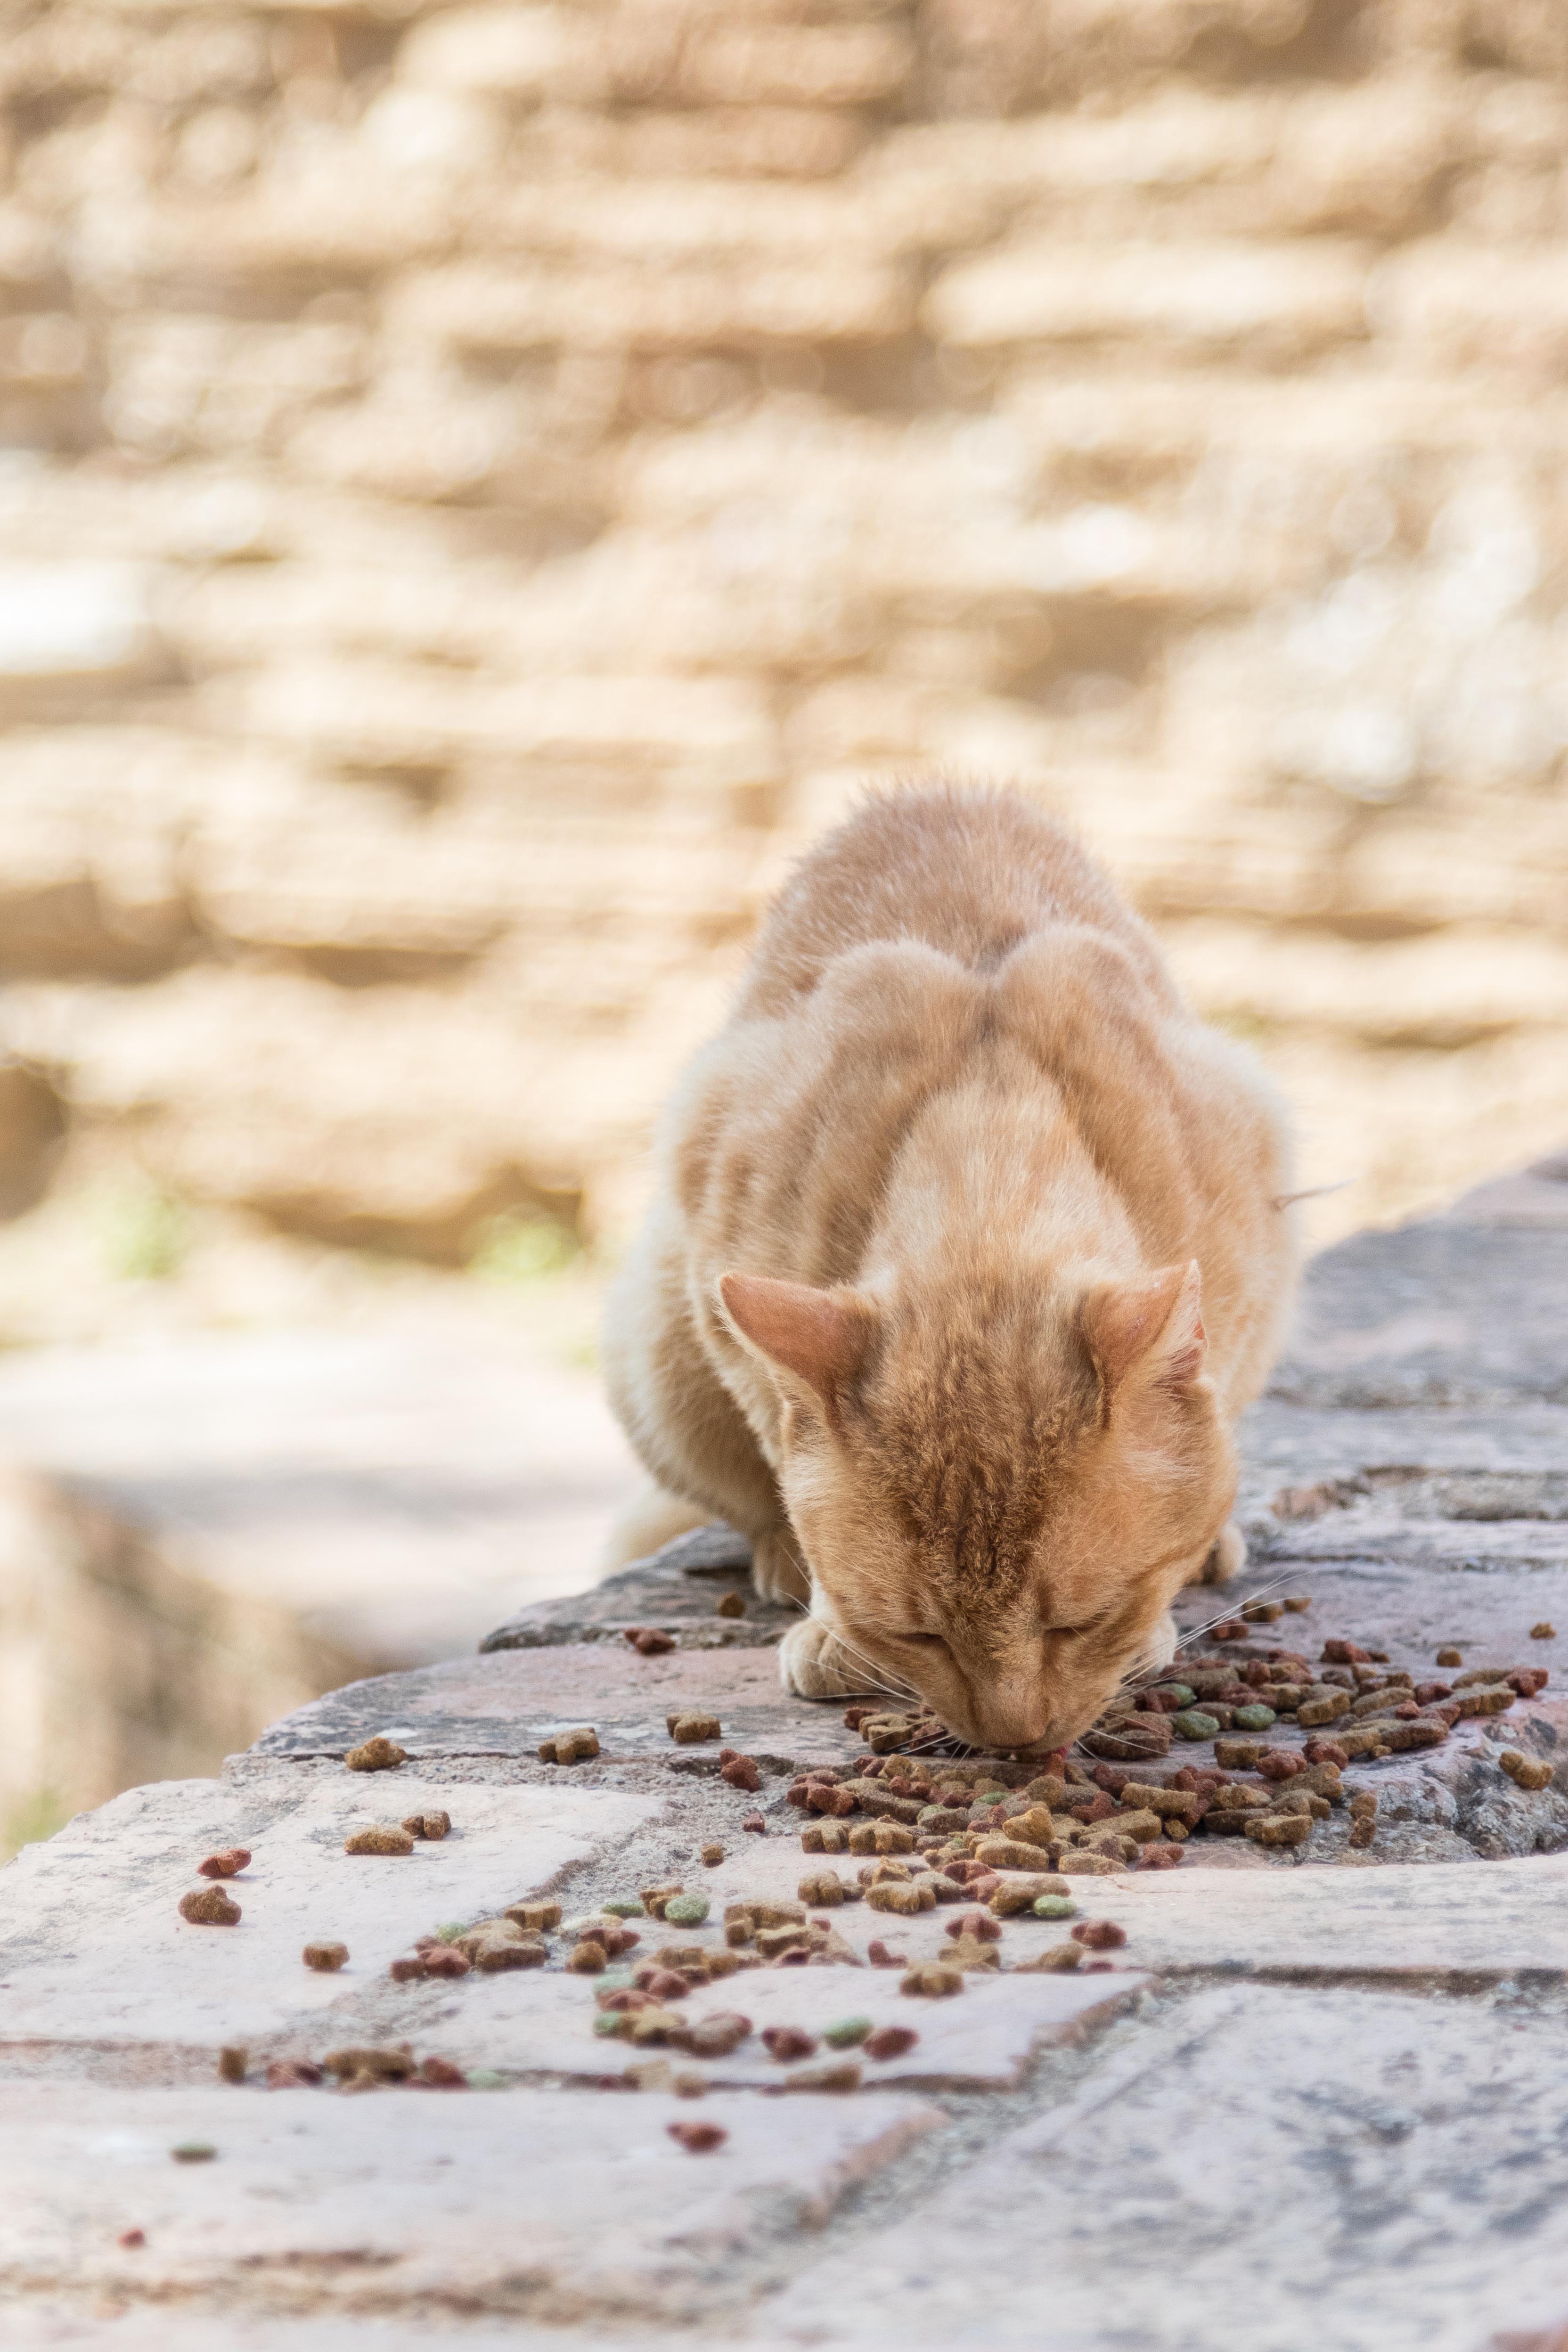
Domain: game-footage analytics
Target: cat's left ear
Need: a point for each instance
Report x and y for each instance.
(1151, 1332)
(820, 1336)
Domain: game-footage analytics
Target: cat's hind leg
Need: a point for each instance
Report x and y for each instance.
(1227, 1558)
(814, 1664)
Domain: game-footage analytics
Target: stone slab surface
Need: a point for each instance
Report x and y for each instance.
(92, 1948)
(537, 2203)
(676, 1588)
(1276, 2166)
(506, 1703)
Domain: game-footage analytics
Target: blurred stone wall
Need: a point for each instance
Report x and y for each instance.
(482, 484)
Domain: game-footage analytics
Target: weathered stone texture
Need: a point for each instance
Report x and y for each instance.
(491, 480)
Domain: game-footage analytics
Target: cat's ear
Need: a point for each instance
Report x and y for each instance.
(820, 1336)
(1151, 1331)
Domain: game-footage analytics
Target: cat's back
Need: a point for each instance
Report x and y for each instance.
(972, 872)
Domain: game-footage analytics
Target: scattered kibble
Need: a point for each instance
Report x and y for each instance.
(733, 1604)
(539, 1917)
(824, 1888)
(1525, 1772)
(1295, 1602)
(755, 1824)
(1098, 1935)
(391, 2063)
(328, 1959)
(712, 1855)
(377, 1755)
(1054, 1906)
(787, 2043)
(1254, 1718)
(649, 1640)
(233, 2064)
(441, 2076)
(848, 2032)
(739, 1773)
(890, 2042)
(209, 1907)
(1058, 1959)
(687, 1728)
(1278, 1828)
(1450, 1657)
(193, 2151)
(1545, 1632)
(934, 1980)
(845, 2076)
(385, 1837)
(1192, 1723)
(132, 2238)
(578, 1747)
(292, 2074)
(686, 1910)
(697, 2139)
(443, 1961)
(882, 1957)
(225, 1864)
(433, 1825)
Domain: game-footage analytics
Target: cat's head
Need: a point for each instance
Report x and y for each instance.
(999, 1489)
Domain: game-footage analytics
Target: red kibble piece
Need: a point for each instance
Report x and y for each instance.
(981, 1925)
(889, 2042)
(132, 2238)
(1526, 1680)
(1427, 1692)
(1098, 1935)
(697, 2139)
(442, 2075)
(1233, 1630)
(1254, 1673)
(756, 1823)
(787, 2042)
(664, 1984)
(1345, 1653)
(1279, 1764)
(1326, 1751)
(650, 1643)
(740, 1773)
(823, 1798)
(292, 2074)
(1113, 1778)
(880, 1956)
(854, 1717)
(1160, 1857)
(1099, 1808)
(446, 1960)
(226, 1865)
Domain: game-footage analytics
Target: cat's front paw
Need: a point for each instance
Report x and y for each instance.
(1228, 1556)
(814, 1662)
(778, 1571)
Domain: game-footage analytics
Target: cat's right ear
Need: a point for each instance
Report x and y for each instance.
(1151, 1331)
(820, 1336)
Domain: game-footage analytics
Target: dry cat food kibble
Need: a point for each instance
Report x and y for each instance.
(377, 1755)
(209, 1907)
(890, 2042)
(578, 1747)
(433, 1826)
(733, 1604)
(292, 2074)
(233, 2064)
(686, 1910)
(193, 2151)
(756, 1823)
(787, 2043)
(1545, 1632)
(1057, 1960)
(712, 1855)
(327, 1958)
(440, 2075)
(1526, 1771)
(649, 1640)
(697, 2139)
(825, 1889)
(377, 2063)
(848, 2032)
(687, 1728)
(1098, 1935)
(739, 1772)
(1450, 1657)
(934, 1980)
(540, 1916)
(226, 1865)
(385, 1837)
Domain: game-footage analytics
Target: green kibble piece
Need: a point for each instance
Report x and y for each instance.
(847, 2034)
(1253, 1718)
(1178, 1691)
(485, 2078)
(1055, 1907)
(614, 1980)
(451, 1929)
(193, 2151)
(623, 1906)
(1194, 1723)
(686, 1910)
(612, 2022)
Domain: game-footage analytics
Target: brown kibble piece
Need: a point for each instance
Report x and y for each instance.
(712, 1855)
(934, 1980)
(1278, 1828)
(714, 2036)
(697, 2139)
(732, 1605)
(889, 2042)
(909, 1901)
(292, 2074)
(377, 1755)
(499, 1953)
(1450, 1657)
(387, 1837)
(588, 1958)
(233, 2064)
(578, 1747)
(538, 1917)
(823, 1887)
(687, 1730)
(1057, 1960)
(446, 1960)
(787, 2043)
(654, 1898)
(132, 2238)
(327, 1958)
(1525, 1772)
(209, 1907)
(756, 1823)
(1545, 1632)
(442, 2075)
(740, 1772)
(383, 2063)
(880, 1956)
(225, 1864)
(1098, 1935)
(428, 1825)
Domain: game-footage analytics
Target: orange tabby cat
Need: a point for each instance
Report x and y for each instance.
(967, 1252)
